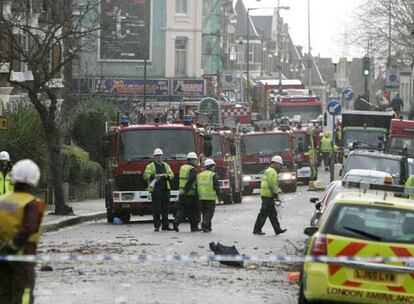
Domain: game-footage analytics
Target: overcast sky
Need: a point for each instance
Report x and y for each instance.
(330, 19)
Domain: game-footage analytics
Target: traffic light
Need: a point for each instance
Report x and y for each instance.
(365, 66)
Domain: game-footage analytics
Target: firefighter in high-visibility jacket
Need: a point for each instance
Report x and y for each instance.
(208, 189)
(326, 149)
(158, 174)
(269, 188)
(188, 205)
(21, 214)
(312, 161)
(410, 183)
(6, 185)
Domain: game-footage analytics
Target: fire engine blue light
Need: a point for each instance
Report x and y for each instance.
(188, 118)
(124, 120)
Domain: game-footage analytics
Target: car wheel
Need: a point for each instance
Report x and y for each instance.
(227, 200)
(109, 215)
(237, 198)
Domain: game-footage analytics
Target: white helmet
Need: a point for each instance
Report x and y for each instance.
(209, 162)
(277, 159)
(158, 151)
(26, 172)
(4, 155)
(192, 155)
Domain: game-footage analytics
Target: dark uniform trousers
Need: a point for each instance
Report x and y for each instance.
(326, 159)
(17, 281)
(188, 207)
(268, 210)
(160, 206)
(207, 210)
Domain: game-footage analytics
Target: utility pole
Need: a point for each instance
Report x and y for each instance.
(145, 82)
(247, 58)
(389, 34)
(309, 52)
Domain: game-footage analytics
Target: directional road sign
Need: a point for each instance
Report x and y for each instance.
(334, 107)
(347, 94)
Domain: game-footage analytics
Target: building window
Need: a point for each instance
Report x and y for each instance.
(180, 57)
(181, 6)
(241, 57)
(24, 55)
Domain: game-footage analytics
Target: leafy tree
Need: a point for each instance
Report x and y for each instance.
(91, 116)
(375, 18)
(25, 137)
(47, 28)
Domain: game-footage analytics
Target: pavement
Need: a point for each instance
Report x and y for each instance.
(90, 210)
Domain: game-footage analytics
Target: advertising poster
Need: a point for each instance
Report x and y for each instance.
(126, 30)
(154, 87)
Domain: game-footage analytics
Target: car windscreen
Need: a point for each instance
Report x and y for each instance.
(375, 163)
(307, 113)
(397, 144)
(364, 138)
(370, 222)
(140, 144)
(265, 144)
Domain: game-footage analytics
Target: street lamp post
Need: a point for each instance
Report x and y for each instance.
(335, 62)
(309, 53)
(247, 57)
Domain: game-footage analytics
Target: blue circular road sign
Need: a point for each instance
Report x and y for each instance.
(347, 94)
(334, 107)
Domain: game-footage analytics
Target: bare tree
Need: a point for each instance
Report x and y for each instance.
(387, 23)
(36, 32)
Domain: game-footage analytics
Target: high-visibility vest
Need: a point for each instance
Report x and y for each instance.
(326, 144)
(151, 170)
(12, 213)
(339, 134)
(269, 185)
(410, 183)
(205, 186)
(184, 175)
(6, 185)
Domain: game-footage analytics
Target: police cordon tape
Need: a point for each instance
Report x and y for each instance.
(207, 258)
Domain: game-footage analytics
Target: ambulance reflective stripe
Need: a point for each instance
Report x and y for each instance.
(365, 278)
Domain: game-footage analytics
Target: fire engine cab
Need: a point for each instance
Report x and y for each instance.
(401, 135)
(258, 148)
(130, 149)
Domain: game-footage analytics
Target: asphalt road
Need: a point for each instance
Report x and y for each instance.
(177, 282)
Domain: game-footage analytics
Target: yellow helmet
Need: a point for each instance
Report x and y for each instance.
(326, 134)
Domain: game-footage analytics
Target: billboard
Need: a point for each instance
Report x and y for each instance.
(188, 87)
(126, 30)
(154, 87)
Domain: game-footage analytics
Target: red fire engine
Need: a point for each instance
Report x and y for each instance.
(226, 154)
(258, 148)
(309, 108)
(401, 135)
(265, 92)
(131, 149)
